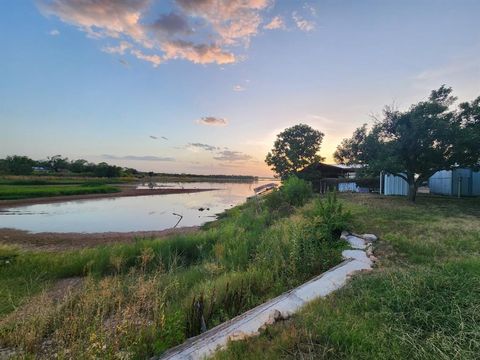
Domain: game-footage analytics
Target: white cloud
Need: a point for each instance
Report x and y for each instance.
(276, 23)
(302, 23)
(197, 53)
(154, 59)
(200, 31)
(100, 18)
(119, 49)
(54, 32)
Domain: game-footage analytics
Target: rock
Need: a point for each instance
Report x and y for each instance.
(356, 242)
(344, 235)
(369, 237)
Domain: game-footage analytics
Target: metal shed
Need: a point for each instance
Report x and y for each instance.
(456, 182)
(392, 185)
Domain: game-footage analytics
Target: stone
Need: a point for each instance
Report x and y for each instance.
(356, 242)
(369, 237)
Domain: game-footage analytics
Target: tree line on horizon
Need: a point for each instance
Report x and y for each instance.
(55, 165)
(23, 165)
(414, 144)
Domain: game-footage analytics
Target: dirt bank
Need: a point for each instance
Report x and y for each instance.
(71, 241)
(125, 191)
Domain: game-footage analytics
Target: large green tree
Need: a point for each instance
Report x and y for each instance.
(294, 149)
(416, 143)
(18, 165)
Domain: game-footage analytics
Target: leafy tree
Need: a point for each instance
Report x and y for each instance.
(19, 165)
(57, 163)
(416, 143)
(79, 166)
(3, 166)
(105, 170)
(294, 149)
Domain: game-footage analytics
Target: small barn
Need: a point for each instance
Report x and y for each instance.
(326, 176)
(457, 182)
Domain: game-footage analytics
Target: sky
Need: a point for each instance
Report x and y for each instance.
(203, 86)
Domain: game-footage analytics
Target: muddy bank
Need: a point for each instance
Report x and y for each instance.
(72, 241)
(125, 191)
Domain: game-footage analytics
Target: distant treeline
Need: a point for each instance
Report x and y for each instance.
(196, 177)
(58, 165)
(23, 165)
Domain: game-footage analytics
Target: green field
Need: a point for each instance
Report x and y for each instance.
(12, 192)
(422, 302)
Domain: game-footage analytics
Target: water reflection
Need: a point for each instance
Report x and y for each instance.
(142, 213)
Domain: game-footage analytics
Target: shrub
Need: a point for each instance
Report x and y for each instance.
(329, 218)
(296, 191)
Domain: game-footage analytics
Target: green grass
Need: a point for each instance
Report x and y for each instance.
(12, 192)
(422, 302)
(140, 299)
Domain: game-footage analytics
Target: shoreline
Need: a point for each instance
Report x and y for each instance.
(125, 191)
(50, 241)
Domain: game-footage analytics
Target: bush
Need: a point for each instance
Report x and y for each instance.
(296, 191)
(329, 218)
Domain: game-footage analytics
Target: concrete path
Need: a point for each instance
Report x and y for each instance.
(251, 322)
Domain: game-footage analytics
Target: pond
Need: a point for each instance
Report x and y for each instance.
(125, 214)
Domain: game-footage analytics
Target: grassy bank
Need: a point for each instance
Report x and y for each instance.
(12, 192)
(422, 302)
(141, 299)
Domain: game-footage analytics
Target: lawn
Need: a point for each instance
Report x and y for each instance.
(137, 300)
(421, 302)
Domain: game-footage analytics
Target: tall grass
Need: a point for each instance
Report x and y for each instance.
(140, 299)
(423, 302)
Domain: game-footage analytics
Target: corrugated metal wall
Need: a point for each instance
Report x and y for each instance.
(454, 182)
(394, 185)
(476, 183)
(441, 182)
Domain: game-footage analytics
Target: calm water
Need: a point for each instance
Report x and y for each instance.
(142, 213)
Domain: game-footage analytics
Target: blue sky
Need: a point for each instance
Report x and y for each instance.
(104, 80)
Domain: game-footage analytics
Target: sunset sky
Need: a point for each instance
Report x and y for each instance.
(203, 86)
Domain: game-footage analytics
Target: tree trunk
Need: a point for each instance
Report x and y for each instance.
(412, 191)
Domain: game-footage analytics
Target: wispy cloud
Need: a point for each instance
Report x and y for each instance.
(54, 32)
(156, 137)
(212, 121)
(453, 67)
(200, 31)
(140, 158)
(124, 62)
(276, 23)
(204, 146)
(229, 155)
(302, 23)
(197, 53)
(117, 49)
(154, 59)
